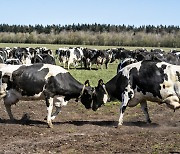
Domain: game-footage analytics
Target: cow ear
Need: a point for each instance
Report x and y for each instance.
(86, 83)
(100, 82)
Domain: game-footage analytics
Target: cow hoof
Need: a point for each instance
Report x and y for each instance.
(149, 121)
(13, 119)
(119, 124)
(50, 125)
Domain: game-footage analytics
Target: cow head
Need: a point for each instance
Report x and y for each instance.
(86, 95)
(100, 95)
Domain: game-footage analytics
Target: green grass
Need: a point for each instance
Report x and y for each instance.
(95, 74)
(56, 46)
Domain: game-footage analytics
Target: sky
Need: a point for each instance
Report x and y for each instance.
(114, 12)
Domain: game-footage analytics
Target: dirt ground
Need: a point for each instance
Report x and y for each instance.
(77, 130)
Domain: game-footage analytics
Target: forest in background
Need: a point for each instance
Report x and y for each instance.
(92, 34)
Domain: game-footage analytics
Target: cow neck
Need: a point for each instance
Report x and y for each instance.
(82, 91)
(75, 87)
(78, 89)
(111, 87)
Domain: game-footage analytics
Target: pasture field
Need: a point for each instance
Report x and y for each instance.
(78, 131)
(56, 46)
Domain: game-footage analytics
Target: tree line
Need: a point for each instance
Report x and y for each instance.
(92, 34)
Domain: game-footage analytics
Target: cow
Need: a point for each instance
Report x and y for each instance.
(13, 61)
(43, 58)
(104, 57)
(125, 62)
(141, 82)
(23, 55)
(75, 56)
(39, 81)
(98, 57)
(70, 56)
(63, 55)
(89, 58)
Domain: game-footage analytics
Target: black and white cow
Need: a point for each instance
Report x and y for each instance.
(89, 58)
(76, 55)
(104, 57)
(98, 57)
(13, 61)
(125, 62)
(70, 56)
(43, 58)
(141, 82)
(49, 82)
(23, 55)
(63, 55)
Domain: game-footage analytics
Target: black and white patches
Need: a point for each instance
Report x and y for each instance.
(141, 82)
(125, 62)
(29, 80)
(148, 78)
(46, 82)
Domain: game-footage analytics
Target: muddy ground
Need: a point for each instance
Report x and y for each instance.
(77, 130)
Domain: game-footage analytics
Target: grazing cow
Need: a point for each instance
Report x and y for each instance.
(49, 82)
(141, 82)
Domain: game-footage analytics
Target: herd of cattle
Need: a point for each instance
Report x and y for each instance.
(141, 76)
(83, 56)
(19, 55)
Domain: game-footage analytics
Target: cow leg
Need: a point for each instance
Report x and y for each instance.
(2, 87)
(58, 102)
(85, 64)
(9, 100)
(81, 64)
(58, 109)
(145, 111)
(75, 65)
(128, 94)
(8, 109)
(64, 64)
(172, 102)
(49, 103)
(102, 66)
(106, 65)
(122, 110)
(68, 65)
(90, 64)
